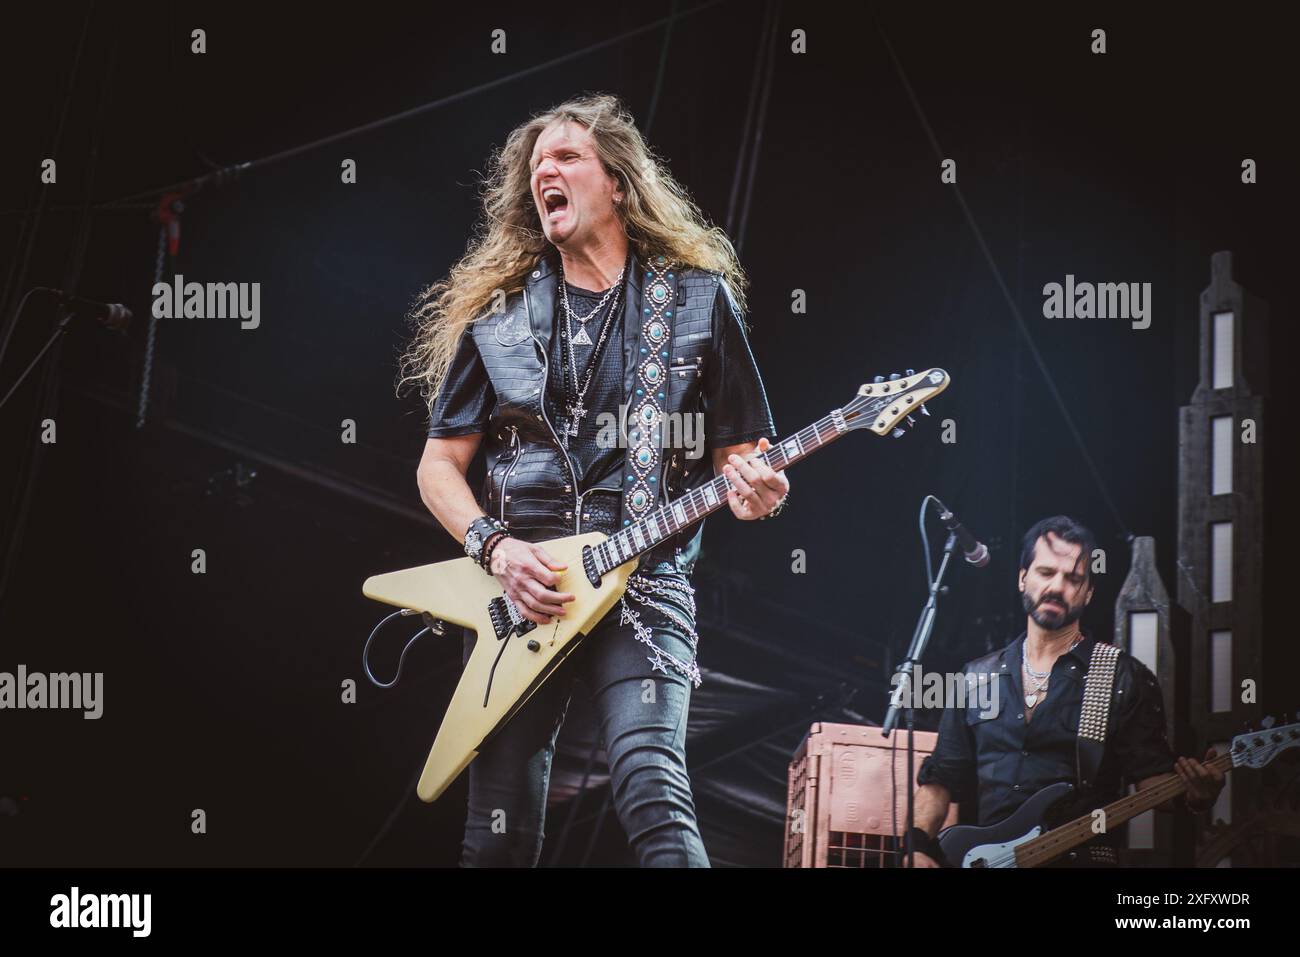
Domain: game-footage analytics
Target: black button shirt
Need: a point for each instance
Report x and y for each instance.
(1000, 761)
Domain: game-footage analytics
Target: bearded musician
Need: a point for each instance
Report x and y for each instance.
(997, 759)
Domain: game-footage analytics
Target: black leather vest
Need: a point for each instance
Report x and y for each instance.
(530, 482)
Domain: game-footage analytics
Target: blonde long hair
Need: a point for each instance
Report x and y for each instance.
(658, 213)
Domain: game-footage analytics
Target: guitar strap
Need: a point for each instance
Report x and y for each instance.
(658, 302)
(1095, 714)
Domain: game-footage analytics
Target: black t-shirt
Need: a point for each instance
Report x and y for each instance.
(592, 464)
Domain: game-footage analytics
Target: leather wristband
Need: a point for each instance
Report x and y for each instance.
(477, 535)
(917, 840)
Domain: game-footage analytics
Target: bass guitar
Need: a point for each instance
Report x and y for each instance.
(1024, 840)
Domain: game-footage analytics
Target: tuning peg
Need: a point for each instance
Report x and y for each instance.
(1267, 722)
(893, 376)
(878, 378)
(924, 410)
(898, 433)
(909, 372)
(911, 421)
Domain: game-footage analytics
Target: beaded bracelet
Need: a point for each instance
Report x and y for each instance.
(490, 547)
(776, 511)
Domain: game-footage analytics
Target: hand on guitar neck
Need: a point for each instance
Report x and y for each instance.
(756, 488)
(1203, 782)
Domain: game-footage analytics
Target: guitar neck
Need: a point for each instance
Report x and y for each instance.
(1059, 840)
(666, 521)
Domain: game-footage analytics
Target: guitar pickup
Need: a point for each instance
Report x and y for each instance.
(589, 566)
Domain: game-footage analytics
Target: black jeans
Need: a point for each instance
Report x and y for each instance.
(642, 718)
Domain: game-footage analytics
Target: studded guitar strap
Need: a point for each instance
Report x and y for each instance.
(640, 478)
(1095, 714)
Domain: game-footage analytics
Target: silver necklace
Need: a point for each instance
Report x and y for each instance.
(577, 409)
(582, 339)
(1032, 694)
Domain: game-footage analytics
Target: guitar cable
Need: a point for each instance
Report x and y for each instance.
(432, 625)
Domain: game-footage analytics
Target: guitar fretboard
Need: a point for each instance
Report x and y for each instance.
(666, 521)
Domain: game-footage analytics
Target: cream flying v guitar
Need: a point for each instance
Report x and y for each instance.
(513, 656)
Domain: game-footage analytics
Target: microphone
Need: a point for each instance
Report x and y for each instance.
(976, 552)
(112, 314)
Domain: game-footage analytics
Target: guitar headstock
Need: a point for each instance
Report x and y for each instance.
(1257, 748)
(881, 405)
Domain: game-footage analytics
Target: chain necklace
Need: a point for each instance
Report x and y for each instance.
(582, 339)
(1041, 677)
(577, 409)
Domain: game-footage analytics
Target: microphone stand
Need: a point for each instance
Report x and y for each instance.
(59, 329)
(904, 691)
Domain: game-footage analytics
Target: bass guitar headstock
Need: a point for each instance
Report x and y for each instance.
(1257, 748)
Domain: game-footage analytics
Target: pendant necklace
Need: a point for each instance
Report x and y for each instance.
(576, 409)
(582, 339)
(1041, 677)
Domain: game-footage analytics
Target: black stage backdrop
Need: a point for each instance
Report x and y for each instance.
(222, 691)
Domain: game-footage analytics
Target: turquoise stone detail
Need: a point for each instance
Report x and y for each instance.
(652, 372)
(640, 391)
(627, 521)
(661, 395)
(643, 455)
(639, 499)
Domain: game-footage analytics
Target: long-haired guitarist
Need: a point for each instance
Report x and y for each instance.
(999, 761)
(615, 374)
